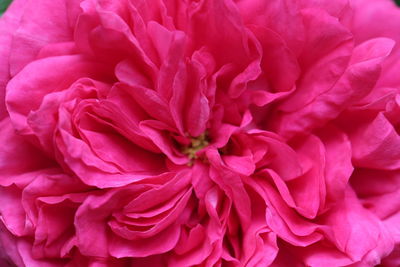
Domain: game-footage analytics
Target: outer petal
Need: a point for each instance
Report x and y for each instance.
(42, 24)
(26, 91)
(375, 144)
(358, 80)
(9, 22)
(379, 18)
(357, 232)
(326, 53)
(338, 162)
(117, 223)
(282, 17)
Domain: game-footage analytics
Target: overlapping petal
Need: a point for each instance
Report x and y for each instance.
(199, 133)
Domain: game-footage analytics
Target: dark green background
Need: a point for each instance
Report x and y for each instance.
(3, 5)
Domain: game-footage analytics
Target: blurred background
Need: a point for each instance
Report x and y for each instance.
(4, 4)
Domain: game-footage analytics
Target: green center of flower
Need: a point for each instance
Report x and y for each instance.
(196, 144)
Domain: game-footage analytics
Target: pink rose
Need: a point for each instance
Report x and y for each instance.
(199, 133)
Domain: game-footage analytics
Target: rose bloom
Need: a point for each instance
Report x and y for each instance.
(200, 133)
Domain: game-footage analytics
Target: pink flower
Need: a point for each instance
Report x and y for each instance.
(199, 133)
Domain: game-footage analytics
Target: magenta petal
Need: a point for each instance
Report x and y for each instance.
(363, 237)
(309, 189)
(375, 145)
(200, 133)
(290, 27)
(356, 82)
(8, 24)
(338, 164)
(277, 59)
(155, 245)
(34, 31)
(32, 80)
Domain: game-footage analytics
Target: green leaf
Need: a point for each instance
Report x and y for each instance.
(397, 2)
(3, 5)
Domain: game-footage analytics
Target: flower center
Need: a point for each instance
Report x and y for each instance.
(196, 144)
